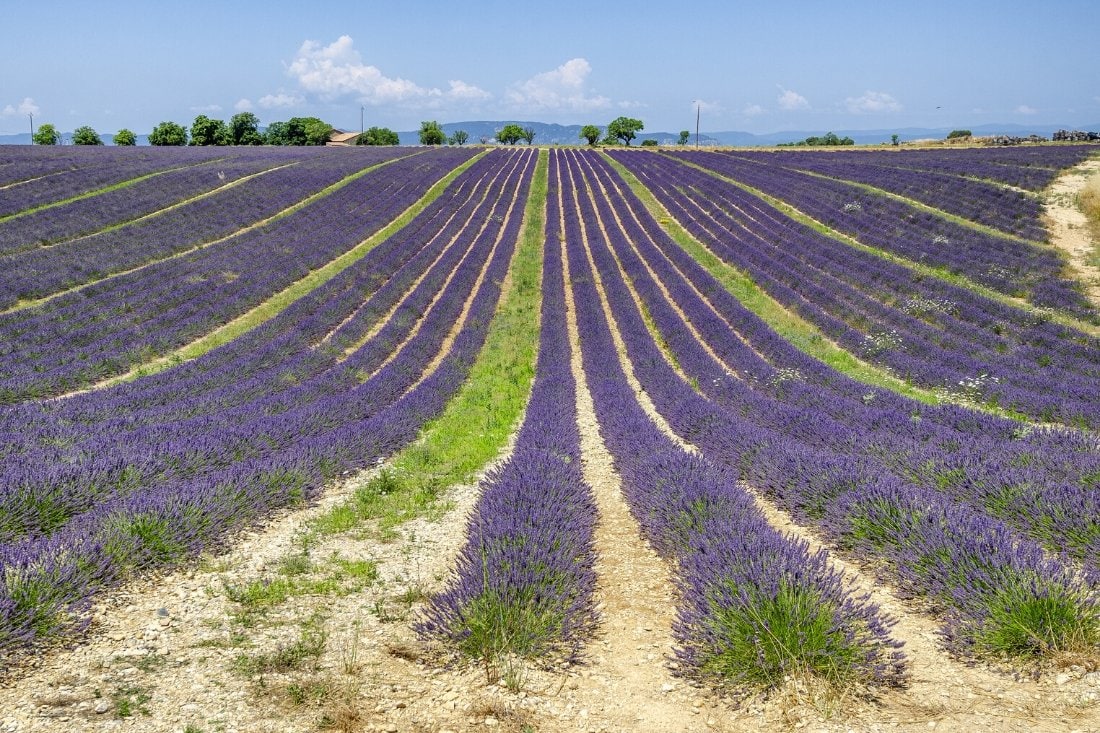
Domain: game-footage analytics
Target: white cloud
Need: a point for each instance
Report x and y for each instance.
(282, 99)
(24, 108)
(872, 102)
(337, 69)
(243, 105)
(753, 110)
(1024, 109)
(562, 89)
(207, 108)
(461, 90)
(791, 100)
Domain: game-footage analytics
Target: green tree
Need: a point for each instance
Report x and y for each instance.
(278, 133)
(591, 133)
(459, 137)
(378, 136)
(529, 135)
(510, 134)
(315, 131)
(895, 140)
(431, 133)
(168, 133)
(683, 139)
(244, 129)
(624, 129)
(86, 136)
(958, 133)
(298, 131)
(649, 143)
(125, 137)
(205, 131)
(46, 134)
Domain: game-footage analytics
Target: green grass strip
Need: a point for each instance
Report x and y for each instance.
(477, 423)
(160, 212)
(799, 332)
(279, 302)
(940, 273)
(106, 189)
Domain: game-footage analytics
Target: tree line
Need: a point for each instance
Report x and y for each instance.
(244, 129)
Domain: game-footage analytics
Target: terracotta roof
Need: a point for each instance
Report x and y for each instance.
(337, 136)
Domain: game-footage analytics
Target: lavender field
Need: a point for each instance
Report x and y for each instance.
(361, 286)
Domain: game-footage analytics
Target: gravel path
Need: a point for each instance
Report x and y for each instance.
(1069, 229)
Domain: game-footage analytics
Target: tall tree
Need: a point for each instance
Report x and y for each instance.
(431, 133)
(205, 131)
(510, 134)
(529, 135)
(278, 133)
(125, 137)
(46, 134)
(683, 139)
(624, 129)
(85, 135)
(244, 129)
(315, 131)
(298, 131)
(591, 133)
(378, 136)
(459, 137)
(168, 133)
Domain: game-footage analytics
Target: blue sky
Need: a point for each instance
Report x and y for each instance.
(759, 67)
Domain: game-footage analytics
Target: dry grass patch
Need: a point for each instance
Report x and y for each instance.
(1089, 201)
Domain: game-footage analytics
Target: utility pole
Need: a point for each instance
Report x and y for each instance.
(31, 115)
(362, 124)
(698, 107)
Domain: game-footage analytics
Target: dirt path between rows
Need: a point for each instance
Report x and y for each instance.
(1069, 229)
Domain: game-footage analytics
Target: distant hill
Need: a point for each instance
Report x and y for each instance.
(905, 134)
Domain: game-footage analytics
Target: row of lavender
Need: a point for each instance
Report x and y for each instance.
(925, 330)
(1031, 167)
(295, 349)
(1004, 264)
(524, 580)
(97, 210)
(1040, 481)
(285, 416)
(45, 271)
(755, 605)
(102, 330)
(893, 481)
(39, 176)
(984, 202)
(146, 431)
